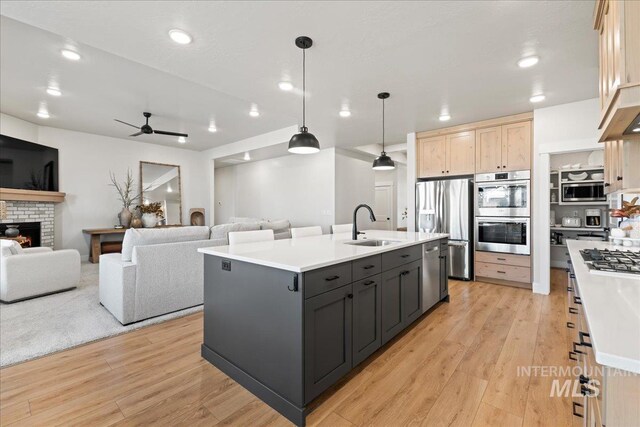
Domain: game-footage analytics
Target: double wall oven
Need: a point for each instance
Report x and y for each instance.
(503, 209)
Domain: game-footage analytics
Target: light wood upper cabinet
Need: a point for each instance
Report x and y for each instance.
(621, 171)
(432, 157)
(460, 153)
(516, 146)
(618, 25)
(489, 149)
(447, 155)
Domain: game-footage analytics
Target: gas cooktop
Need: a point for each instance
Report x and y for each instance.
(612, 261)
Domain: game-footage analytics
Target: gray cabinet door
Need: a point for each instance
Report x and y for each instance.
(444, 272)
(391, 304)
(366, 318)
(328, 344)
(411, 281)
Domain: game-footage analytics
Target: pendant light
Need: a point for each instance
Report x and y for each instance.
(304, 142)
(383, 162)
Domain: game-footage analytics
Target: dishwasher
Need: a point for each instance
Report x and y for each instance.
(430, 275)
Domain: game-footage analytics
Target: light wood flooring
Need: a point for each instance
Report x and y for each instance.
(455, 366)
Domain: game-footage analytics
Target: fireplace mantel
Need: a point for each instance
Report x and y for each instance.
(31, 195)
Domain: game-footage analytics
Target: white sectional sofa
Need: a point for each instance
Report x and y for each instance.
(32, 272)
(160, 270)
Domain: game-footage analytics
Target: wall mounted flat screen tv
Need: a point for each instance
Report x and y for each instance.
(27, 166)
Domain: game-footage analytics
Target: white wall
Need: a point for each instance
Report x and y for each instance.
(560, 129)
(295, 187)
(355, 184)
(84, 164)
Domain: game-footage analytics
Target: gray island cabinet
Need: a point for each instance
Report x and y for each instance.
(287, 331)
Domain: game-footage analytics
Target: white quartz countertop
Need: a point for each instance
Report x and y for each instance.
(309, 253)
(612, 309)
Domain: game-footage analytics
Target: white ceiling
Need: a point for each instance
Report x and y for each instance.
(429, 55)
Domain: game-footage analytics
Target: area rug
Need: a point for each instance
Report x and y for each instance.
(45, 325)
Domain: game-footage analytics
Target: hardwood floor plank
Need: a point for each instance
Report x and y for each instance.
(467, 329)
(104, 415)
(230, 398)
(458, 403)
(256, 413)
(334, 420)
(490, 416)
(506, 389)
(14, 412)
(482, 355)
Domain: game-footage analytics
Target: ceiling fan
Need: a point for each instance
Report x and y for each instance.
(146, 129)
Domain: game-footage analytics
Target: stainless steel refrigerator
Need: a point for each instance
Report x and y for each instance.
(446, 206)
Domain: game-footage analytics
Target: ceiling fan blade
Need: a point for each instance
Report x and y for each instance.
(136, 134)
(128, 124)
(162, 132)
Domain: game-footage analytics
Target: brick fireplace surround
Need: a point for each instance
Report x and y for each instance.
(27, 211)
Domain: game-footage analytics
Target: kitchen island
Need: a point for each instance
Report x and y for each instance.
(288, 318)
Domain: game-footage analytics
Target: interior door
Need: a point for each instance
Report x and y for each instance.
(383, 207)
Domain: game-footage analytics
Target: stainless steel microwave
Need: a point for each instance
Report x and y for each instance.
(580, 192)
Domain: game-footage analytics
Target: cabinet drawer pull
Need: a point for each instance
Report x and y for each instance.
(370, 282)
(619, 178)
(368, 267)
(585, 390)
(405, 256)
(501, 272)
(569, 289)
(583, 379)
(581, 335)
(571, 325)
(575, 412)
(504, 166)
(577, 300)
(404, 273)
(573, 356)
(575, 349)
(501, 259)
(332, 278)
(573, 310)
(572, 276)
(350, 296)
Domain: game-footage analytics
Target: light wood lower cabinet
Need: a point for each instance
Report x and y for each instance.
(503, 268)
(445, 155)
(605, 396)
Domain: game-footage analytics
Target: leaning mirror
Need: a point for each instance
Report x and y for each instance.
(160, 186)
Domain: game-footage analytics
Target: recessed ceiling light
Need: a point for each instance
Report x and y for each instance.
(213, 128)
(53, 91)
(70, 54)
(182, 140)
(286, 86)
(247, 156)
(254, 112)
(635, 129)
(444, 117)
(180, 37)
(43, 114)
(537, 98)
(528, 61)
(345, 113)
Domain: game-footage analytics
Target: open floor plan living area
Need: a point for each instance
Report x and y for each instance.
(320, 213)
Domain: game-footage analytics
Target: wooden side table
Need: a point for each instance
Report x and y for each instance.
(95, 250)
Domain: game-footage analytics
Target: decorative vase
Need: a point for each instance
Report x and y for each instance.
(149, 220)
(125, 217)
(12, 231)
(136, 222)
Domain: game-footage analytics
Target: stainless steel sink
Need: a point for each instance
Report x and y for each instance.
(372, 242)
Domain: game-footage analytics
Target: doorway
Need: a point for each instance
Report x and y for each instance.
(384, 208)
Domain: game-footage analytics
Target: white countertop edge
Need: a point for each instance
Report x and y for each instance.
(582, 272)
(374, 250)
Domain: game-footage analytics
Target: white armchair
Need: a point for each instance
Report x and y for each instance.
(32, 272)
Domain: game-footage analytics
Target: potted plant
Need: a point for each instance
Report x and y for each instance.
(150, 214)
(126, 195)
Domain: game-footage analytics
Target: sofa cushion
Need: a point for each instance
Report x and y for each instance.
(236, 219)
(277, 225)
(153, 236)
(10, 247)
(221, 231)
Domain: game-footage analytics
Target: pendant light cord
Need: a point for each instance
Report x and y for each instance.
(383, 125)
(304, 88)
